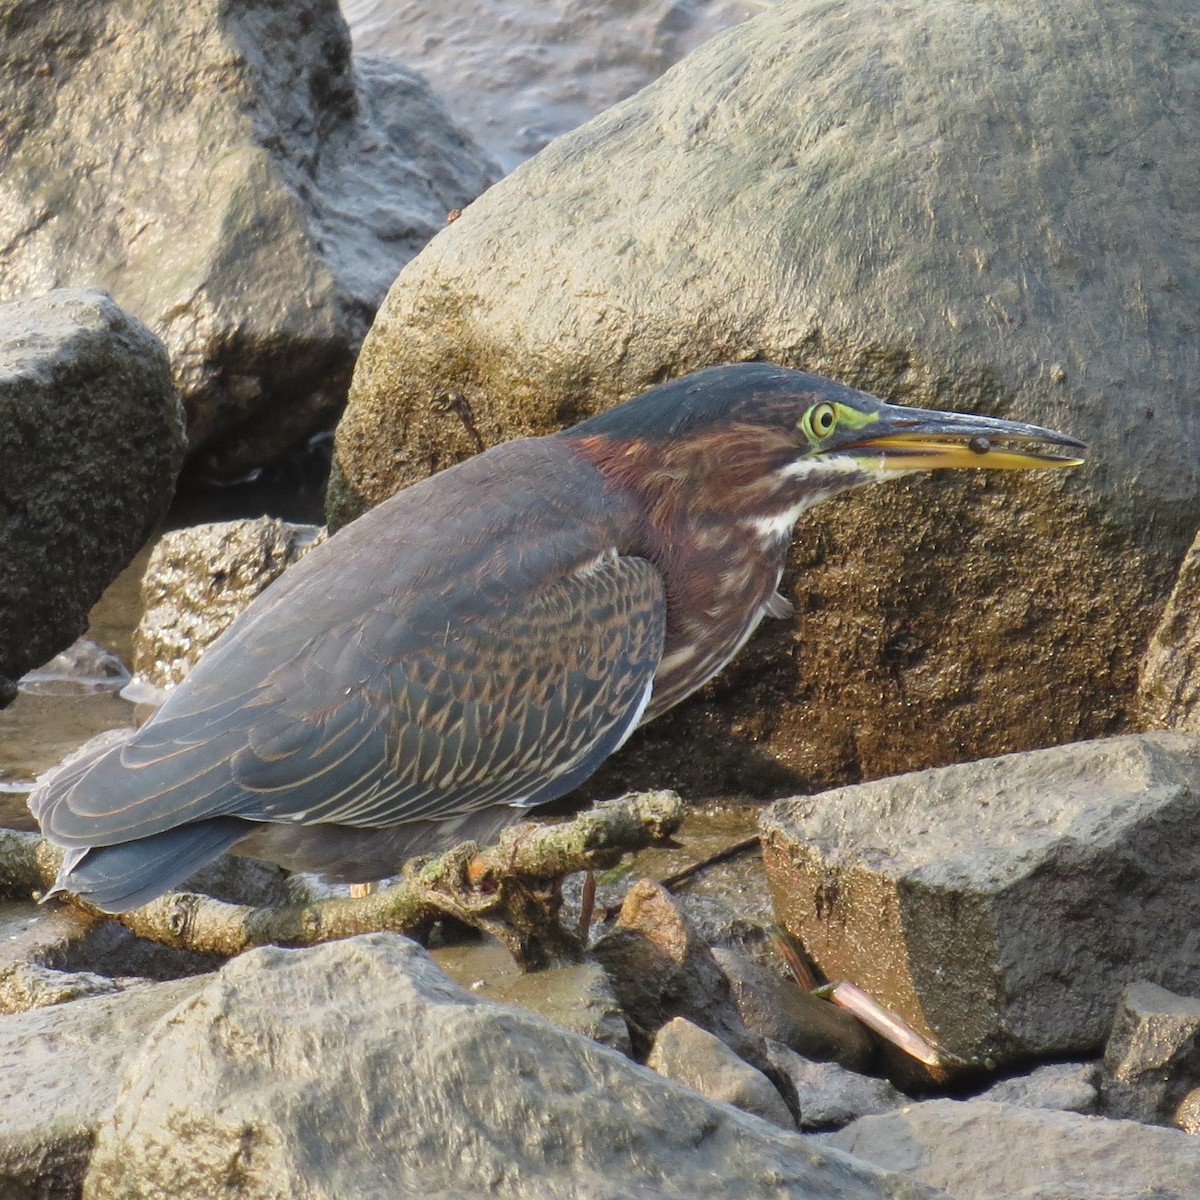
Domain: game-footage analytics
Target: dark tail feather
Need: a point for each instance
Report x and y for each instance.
(116, 878)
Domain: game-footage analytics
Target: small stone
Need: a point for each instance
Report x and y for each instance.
(660, 968)
(785, 1012)
(1152, 1060)
(829, 1095)
(1066, 1087)
(198, 580)
(693, 1056)
(1187, 1115)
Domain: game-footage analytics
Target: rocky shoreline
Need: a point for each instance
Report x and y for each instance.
(964, 781)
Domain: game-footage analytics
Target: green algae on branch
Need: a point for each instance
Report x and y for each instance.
(511, 890)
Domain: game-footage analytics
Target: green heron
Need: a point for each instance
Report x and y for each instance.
(481, 642)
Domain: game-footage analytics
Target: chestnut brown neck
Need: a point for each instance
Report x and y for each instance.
(701, 497)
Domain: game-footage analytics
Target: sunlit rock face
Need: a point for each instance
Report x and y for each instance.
(1002, 906)
(950, 204)
(238, 181)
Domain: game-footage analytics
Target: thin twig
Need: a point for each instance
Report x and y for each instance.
(889, 1025)
(730, 851)
(685, 873)
(587, 906)
(793, 954)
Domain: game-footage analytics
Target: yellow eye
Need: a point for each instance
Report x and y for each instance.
(821, 420)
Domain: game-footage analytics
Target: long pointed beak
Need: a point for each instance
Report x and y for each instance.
(918, 439)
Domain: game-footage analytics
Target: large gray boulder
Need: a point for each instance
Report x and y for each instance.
(941, 201)
(984, 1151)
(91, 440)
(236, 180)
(357, 1069)
(1001, 907)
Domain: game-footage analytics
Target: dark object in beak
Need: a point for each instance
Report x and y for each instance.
(916, 439)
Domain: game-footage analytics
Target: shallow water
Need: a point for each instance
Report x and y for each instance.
(514, 76)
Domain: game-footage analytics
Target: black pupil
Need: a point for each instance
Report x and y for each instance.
(824, 421)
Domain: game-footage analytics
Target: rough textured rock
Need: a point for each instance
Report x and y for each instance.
(1001, 906)
(981, 1151)
(1187, 1116)
(830, 1096)
(384, 1074)
(91, 439)
(236, 180)
(1152, 1059)
(1068, 1087)
(799, 1020)
(29, 985)
(1169, 687)
(60, 1068)
(198, 579)
(518, 83)
(807, 188)
(700, 1060)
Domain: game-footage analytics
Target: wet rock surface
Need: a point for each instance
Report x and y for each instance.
(384, 1070)
(977, 1150)
(517, 76)
(198, 579)
(937, 623)
(577, 997)
(91, 439)
(238, 181)
(1001, 906)
(1152, 1060)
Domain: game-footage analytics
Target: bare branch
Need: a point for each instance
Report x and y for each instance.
(510, 889)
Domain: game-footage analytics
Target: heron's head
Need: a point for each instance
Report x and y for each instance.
(764, 442)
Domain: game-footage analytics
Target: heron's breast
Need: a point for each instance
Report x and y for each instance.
(714, 607)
